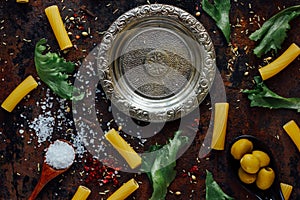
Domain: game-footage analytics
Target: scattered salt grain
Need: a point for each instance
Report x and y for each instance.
(79, 146)
(60, 155)
(43, 126)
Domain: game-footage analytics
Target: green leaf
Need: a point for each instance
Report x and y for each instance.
(274, 31)
(213, 190)
(262, 96)
(160, 168)
(53, 71)
(219, 11)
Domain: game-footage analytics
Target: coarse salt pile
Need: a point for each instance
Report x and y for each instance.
(60, 155)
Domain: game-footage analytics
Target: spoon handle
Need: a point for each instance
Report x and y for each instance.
(37, 189)
(47, 175)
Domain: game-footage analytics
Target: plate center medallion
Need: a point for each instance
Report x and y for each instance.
(157, 63)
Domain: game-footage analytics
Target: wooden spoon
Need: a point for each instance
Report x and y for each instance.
(48, 173)
(274, 192)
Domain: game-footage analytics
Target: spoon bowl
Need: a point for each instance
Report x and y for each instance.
(48, 173)
(274, 192)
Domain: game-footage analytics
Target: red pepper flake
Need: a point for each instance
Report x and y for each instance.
(96, 172)
(105, 181)
(81, 27)
(194, 169)
(83, 17)
(184, 175)
(115, 181)
(77, 37)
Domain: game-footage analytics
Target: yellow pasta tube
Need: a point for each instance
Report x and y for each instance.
(82, 193)
(125, 190)
(19, 93)
(280, 63)
(220, 125)
(286, 190)
(126, 151)
(22, 1)
(293, 131)
(58, 27)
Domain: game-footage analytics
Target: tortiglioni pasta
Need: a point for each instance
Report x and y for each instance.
(125, 190)
(286, 190)
(19, 93)
(22, 1)
(293, 131)
(126, 151)
(220, 125)
(280, 63)
(82, 193)
(58, 27)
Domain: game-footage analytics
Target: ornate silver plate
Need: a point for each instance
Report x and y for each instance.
(156, 63)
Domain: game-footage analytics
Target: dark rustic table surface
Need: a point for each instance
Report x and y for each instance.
(22, 149)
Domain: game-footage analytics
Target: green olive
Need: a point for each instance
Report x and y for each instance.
(265, 178)
(246, 177)
(250, 163)
(263, 158)
(240, 148)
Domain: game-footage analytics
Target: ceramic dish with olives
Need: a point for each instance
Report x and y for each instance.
(254, 166)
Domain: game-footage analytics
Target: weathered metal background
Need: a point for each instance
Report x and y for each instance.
(22, 25)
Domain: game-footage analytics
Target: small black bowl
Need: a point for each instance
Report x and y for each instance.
(274, 192)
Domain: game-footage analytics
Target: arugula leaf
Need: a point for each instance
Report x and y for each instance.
(160, 168)
(273, 31)
(52, 70)
(262, 96)
(213, 190)
(219, 11)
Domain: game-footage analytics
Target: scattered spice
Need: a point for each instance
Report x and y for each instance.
(195, 170)
(83, 8)
(77, 23)
(192, 173)
(84, 33)
(194, 177)
(60, 155)
(96, 172)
